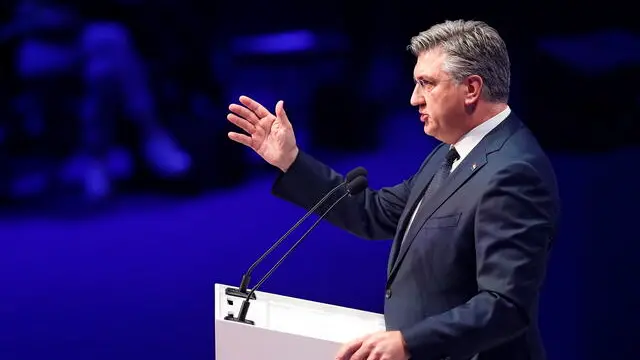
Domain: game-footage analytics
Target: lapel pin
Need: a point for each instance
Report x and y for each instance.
(473, 167)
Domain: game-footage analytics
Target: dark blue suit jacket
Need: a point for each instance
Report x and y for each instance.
(467, 285)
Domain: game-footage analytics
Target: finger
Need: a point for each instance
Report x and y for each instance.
(240, 138)
(362, 353)
(241, 123)
(348, 349)
(255, 106)
(374, 355)
(281, 114)
(244, 113)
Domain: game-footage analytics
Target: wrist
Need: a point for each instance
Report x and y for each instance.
(404, 345)
(290, 158)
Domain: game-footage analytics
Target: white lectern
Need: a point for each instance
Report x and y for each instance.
(286, 328)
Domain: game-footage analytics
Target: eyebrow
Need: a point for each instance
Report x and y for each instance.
(424, 77)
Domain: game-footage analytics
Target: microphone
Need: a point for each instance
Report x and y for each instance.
(353, 188)
(241, 291)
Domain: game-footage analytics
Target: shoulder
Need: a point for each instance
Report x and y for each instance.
(522, 179)
(521, 153)
(521, 163)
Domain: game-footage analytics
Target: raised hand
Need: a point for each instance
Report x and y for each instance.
(269, 135)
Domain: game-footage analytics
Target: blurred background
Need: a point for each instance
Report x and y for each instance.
(122, 201)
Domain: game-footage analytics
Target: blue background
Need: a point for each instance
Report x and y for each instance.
(131, 277)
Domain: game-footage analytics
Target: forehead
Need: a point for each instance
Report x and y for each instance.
(429, 64)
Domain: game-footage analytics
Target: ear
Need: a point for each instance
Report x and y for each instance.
(473, 86)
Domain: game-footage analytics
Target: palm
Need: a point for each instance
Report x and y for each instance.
(270, 139)
(270, 136)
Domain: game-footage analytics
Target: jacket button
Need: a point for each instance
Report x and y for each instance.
(387, 294)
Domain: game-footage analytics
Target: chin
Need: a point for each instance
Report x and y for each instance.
(429, 130)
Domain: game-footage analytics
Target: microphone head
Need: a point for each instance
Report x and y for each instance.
(357, 185)
(359, 171)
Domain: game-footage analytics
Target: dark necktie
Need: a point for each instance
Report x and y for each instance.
(442, 173)
(436, 182)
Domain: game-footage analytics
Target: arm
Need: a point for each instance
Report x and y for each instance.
(515, 222)
(371, 214)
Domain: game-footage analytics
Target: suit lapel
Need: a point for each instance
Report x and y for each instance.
(422, 181)
(471, 164)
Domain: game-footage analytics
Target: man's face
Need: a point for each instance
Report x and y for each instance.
(440, 101)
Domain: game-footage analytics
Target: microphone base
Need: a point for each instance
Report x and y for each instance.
(237, 293)
(230, 317)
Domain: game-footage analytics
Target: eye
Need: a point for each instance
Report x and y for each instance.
(425, 84)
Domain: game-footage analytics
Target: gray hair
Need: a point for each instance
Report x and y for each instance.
(471, 48)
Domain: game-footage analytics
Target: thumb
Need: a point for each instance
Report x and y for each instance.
(281, 114)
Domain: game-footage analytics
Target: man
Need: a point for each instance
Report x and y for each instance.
(472, 228)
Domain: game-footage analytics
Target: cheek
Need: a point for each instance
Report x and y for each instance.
(435, 103)
(441, 108)
(445, 103)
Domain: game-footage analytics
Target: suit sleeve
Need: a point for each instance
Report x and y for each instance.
(515, 223)
(370, 215)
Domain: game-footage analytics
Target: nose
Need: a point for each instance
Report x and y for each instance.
(416, 98)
